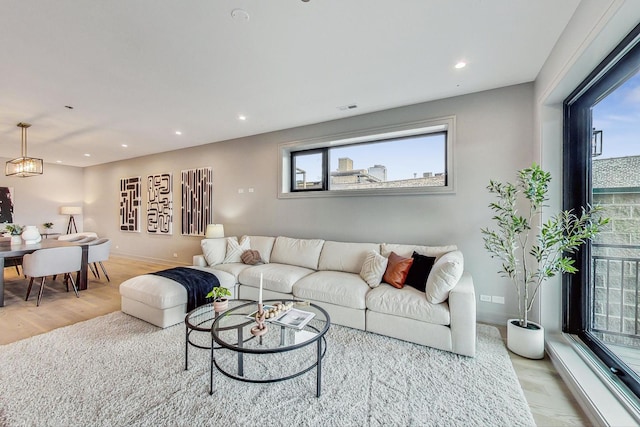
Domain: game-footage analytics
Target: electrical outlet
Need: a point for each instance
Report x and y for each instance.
(485, 298)
(240, 190)
(497, 299)
(250, 189)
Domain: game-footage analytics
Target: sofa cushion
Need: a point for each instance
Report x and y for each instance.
(214, 250)
(407, 250)
(397, 270)
(264, 245)
(333, 287)
(301, 252)
(348, 257)
(234, 268)
(419, 271)
(445, 274)
(235, 249)
(373, 268)
(275, 277)
(161, 292)
(407, 302)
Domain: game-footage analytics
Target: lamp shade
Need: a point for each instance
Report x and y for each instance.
(71, 210)
(214, 231)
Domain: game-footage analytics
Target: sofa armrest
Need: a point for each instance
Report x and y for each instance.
(199, 261)
(462, 309)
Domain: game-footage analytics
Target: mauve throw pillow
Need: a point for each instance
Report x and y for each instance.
(419, 271)
(397, 269)
(250, 257)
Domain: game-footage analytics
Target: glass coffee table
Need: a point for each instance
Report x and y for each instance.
(198, 327)
(282, 353)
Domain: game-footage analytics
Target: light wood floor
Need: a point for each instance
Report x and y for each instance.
(549, 399)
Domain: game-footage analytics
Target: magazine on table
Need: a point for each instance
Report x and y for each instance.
(294, 318)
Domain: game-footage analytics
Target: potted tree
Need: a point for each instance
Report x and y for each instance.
(531, 253)
(220, 303)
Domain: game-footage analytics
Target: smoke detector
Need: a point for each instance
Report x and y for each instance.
(240, 15)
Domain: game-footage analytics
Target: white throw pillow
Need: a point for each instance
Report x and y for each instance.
(235, 249)
(214, 249)
(373, 268)
(444, 275)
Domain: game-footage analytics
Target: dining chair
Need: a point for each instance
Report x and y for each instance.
(99, 251)
(50, 262)
(83, 240)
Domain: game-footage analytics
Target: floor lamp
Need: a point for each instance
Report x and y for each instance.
(71, 211)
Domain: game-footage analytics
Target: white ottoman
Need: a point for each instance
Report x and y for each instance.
(161, 301)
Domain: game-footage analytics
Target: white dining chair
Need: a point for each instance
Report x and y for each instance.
(99, 251)
(51, 262)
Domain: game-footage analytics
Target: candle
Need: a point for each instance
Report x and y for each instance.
(260, 294)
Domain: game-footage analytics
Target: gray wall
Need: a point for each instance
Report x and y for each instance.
(494, 139)
(38, 199)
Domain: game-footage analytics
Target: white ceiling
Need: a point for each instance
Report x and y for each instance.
(136, 71)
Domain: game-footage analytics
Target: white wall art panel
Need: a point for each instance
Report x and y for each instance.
(160, 203)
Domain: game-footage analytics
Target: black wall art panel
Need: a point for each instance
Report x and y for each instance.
(130, 204)
(6, 205)
(160, 204)
(197, 200)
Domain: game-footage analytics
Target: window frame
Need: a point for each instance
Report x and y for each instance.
(286, 175)
(613, 71)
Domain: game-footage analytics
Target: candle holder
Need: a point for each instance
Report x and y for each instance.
(261, 327)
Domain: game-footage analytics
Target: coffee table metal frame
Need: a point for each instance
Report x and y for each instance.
(238, 347)
(200, 319)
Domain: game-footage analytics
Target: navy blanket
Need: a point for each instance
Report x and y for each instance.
(198, 284)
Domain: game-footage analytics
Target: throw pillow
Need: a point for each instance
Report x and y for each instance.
(251, 257)
(373, 268)
(214, 250)
(419, 271)
(235, 250)
(445, 274)
(397, 269)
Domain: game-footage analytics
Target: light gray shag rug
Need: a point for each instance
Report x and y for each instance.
(116, 370)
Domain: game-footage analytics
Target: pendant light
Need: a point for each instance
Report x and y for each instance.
(23, 166)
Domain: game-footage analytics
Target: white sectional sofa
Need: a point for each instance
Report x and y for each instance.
(331, 275)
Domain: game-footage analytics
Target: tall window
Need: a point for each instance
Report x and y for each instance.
(412, 158)
(602, 166)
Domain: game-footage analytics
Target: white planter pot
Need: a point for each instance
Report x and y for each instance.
(31, 235)
(16, 239)
(525, 342)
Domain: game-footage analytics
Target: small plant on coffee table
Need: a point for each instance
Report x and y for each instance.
(218, 293)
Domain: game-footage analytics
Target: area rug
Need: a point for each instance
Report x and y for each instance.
(116, 370)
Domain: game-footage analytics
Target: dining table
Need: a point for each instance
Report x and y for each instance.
(8, 250)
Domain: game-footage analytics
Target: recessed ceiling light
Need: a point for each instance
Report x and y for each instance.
(178, 132)
(124, 145)
(461, 64)
(242, 117)
(87, 155)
